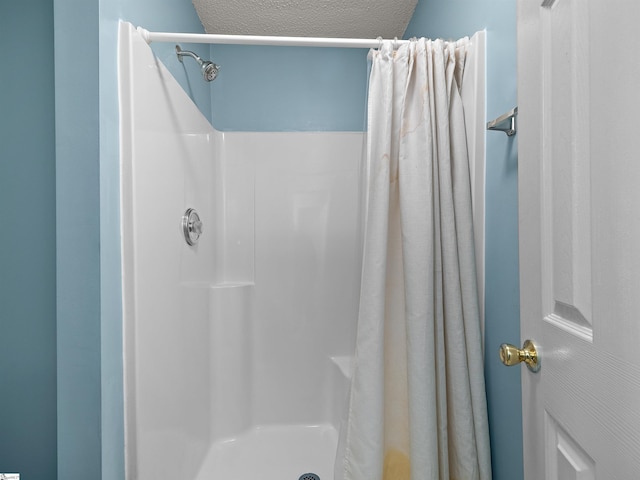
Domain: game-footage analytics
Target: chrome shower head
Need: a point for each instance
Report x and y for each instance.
(209, 69)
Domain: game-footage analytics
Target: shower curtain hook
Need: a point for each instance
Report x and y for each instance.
(379, 43)
(395, 43)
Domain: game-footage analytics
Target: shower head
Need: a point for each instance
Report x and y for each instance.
(208, 69)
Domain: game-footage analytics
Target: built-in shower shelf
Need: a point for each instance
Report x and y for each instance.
(230, 285)
(218, 286)
(344, 364)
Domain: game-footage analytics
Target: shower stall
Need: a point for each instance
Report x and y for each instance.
(241, 264)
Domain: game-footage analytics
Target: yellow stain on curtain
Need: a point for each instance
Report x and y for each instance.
(397, 466)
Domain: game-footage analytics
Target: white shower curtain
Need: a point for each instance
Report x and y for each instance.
(417, 408)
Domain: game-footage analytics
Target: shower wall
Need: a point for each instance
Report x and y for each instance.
(165, 143)
(255, 324)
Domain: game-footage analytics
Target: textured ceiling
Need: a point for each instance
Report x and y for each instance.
(307, 18)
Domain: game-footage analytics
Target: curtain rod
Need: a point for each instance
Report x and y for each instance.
(261, 40)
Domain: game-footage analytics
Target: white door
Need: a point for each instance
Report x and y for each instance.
(579, 181)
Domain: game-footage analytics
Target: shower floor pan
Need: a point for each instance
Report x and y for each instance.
(281, 452)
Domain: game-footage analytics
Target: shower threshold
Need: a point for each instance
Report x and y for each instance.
(275, 452)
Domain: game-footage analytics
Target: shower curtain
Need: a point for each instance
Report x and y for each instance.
(417, 407)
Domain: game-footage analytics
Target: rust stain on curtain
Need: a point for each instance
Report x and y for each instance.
(397, 466)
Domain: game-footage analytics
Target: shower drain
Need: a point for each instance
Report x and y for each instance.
(309, 476)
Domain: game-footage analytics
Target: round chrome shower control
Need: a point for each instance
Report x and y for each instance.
(191, 226)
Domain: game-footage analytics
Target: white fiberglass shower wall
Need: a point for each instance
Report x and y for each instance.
(238, 348)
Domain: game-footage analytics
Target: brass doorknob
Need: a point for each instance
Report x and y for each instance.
(510, 355)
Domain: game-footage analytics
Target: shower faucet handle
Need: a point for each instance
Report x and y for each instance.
(191, 226)
(196, 227)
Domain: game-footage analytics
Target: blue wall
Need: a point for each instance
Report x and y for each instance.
(289, 89)
(27, 242)
(78, 250)
(454, 19)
